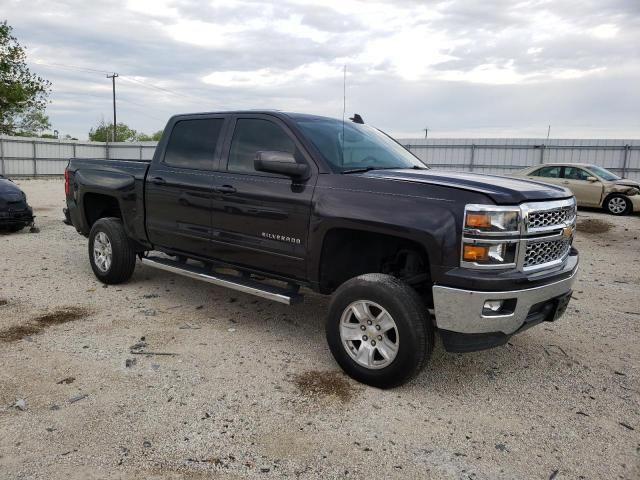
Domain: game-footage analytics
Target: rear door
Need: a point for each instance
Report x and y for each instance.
(261, 220)
(587, 192)
(179, 185)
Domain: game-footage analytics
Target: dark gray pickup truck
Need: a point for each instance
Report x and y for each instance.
(289, 200)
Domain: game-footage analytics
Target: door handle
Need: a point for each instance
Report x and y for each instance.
(224, 189)
(158, 181)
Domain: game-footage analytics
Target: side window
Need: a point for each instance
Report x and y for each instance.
(192, 143)
(575, 173)
(548, 172)
(254, 135)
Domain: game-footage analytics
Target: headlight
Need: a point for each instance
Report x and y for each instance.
(487, 254)
(490, 219)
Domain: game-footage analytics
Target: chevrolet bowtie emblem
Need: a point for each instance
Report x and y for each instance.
(567, 231)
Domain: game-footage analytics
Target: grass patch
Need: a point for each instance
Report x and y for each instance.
(593, 225)
(38, 323)
(315, 383)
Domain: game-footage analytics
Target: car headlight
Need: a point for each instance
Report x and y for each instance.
(485, 253)
(490, 236)
(490, 219)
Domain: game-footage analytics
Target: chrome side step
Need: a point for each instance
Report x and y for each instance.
(287, 296)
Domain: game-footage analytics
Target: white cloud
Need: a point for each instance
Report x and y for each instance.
(458, 65)
(606, 31)
(267, 77)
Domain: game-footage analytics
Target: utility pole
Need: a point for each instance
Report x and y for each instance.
(113, 82)
(426, 132)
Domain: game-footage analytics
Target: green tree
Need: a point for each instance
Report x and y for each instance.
(154, 137)
(33, 124)
(22, 93)
(103, 132)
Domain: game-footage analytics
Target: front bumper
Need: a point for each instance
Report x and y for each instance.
(459, 311)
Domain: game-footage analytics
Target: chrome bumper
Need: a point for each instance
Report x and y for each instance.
(460, 310)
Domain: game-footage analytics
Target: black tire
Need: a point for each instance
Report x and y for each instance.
(123, 256)
(613, 204)
(16, 228)
(412, 321)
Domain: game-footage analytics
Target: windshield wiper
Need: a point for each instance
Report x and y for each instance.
(360, 170)
(368, 169)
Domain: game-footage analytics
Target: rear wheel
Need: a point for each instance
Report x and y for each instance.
(111, 254)
(379, 330)
(617, 205)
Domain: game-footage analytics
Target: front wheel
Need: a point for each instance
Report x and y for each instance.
(618, 205)
(379, 330)
(111, 254)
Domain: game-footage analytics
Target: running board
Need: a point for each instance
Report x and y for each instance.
(287, 296)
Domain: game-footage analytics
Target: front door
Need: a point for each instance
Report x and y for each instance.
(261, 220)
(587, 192)
(178, 189)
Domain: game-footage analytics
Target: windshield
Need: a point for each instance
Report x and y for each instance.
(603, 173)
(351, 146)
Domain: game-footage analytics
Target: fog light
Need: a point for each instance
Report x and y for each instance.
(491, 307)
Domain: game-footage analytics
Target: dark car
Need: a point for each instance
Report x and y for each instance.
(15, 212)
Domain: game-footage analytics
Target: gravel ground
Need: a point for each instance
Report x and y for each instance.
(251, 390)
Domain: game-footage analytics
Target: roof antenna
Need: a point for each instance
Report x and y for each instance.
(344, 105)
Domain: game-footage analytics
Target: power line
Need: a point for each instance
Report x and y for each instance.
(166, 90)
(71, 67)
(123, 77)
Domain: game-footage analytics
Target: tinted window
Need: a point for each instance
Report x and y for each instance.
(254, 135)
(549, 172)
(574, 173)
(192, 143)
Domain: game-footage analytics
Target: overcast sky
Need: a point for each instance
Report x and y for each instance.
(481, 68)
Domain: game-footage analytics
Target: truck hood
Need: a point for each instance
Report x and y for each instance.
(502, 190)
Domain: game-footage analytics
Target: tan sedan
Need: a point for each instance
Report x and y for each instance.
(592, 185)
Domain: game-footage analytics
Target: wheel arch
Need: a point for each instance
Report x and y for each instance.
(347, 252)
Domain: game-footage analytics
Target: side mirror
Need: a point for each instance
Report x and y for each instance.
(280, 162)
(592, 179)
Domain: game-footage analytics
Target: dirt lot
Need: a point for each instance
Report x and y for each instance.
(251, 389)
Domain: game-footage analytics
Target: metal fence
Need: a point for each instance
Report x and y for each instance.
(41, 157)
(35, 157)
(503, 156)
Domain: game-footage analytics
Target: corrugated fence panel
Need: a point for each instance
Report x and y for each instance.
(504, 156)
(17, 167)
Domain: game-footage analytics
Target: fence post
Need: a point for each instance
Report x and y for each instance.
(473, 154)
(140, 151)
(1, 157)
(73, 149)
(542, 153)
(625, 161)
(35, 158)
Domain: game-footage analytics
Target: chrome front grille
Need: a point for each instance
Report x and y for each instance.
(541, 253)
(552, 217)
